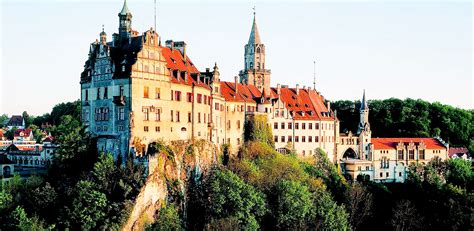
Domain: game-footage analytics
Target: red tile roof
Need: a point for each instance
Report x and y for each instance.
(245, 93)
(391, 143)
(175, 61)
(462, 150)
(307, 105)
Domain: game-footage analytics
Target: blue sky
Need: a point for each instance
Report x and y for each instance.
(390, 48)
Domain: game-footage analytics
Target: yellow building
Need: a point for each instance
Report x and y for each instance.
(136, 91)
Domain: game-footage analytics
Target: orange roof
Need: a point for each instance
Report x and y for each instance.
(175, 61)
(391, 143)
(306, 105)
(245, 93)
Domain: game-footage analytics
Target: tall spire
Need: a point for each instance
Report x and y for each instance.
(254, 35)
(363, 105)
(125, 9)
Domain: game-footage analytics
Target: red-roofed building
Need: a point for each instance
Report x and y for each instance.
(459, 152)
(384, 159)
(135, 89)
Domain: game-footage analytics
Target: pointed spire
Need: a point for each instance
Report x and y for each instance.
(254, 35)
(363, 105)
(125, 9)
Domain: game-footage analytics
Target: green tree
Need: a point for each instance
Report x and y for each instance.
(167, 220)
(230, 196)
(459, 172)
(24, 223)
(3, 119)
(89, 206)
(293, 205)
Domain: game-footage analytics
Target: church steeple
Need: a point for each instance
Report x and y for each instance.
(254, 35)
(254, 72)
(125, 23)
(364, 115)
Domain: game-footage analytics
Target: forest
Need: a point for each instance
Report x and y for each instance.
(410, 118)
(258, 189)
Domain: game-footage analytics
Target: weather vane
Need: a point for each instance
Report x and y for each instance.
(254, 10)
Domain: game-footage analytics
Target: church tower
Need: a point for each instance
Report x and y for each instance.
(254, 72)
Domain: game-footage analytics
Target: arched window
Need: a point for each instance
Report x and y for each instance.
(258, 65)
(251, 65)
(258, 49)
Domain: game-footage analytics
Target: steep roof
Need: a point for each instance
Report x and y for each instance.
(22, 132)
(254, 35)
(16, 120)
(176, 61)
(125, 9)
(391, 143)
(245, 93)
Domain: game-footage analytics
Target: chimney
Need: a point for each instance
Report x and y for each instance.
(169, 44)
(329, 106)
(297, 89)
(181, 46)
(236, 80)
(278, 89)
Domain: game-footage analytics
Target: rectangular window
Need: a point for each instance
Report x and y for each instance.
(86, 95)
(228, 124)
(310, 139)
(275, 138)
(400, 154)
(145, 92)
(121, 114)
(158, 115)
(238, 124)
(106, 93)
(316, 139)
(283, 139)
(157, 129)
(177, 95)
(145, 129)
(145, 112)
(189, 117)
(216, 106)
(275, 125)
(290, 125)
(189, 97)
(297, 126)
(422, 154)
(205, 99)
(121, 91)
(177, 116)
(303, 139)
(303, 125)
(290, 138)
(98, 93)
(199, 117)
(282, 125)
(157, 93)
(172, 95)
(172, 116)
(297, 139)
(316, 126)
(411, 154)
(199, 98)
(310, 126)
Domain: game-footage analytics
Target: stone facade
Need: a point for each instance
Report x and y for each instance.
(136, 91)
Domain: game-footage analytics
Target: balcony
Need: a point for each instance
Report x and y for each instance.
(119, 100)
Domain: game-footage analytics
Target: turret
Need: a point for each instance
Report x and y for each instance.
(125, 21)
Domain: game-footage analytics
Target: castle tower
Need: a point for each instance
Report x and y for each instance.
(125, 21)
(364, 115)
(254, 72)
(103, 37)
(364, 131)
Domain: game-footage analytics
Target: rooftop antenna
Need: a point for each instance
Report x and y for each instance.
(314, 77)
(155, 16)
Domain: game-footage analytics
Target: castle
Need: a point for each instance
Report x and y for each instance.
(136, 91)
